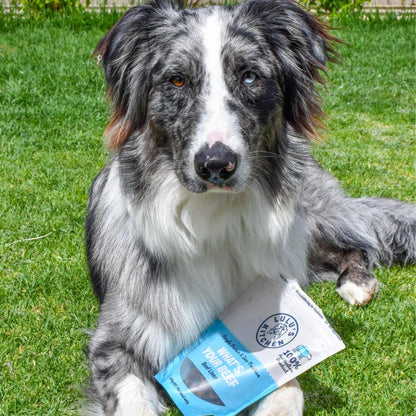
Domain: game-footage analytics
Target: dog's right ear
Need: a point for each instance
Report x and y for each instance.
(118, 51)
(125, 52)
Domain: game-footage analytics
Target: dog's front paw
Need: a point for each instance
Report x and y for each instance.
(286, 401)
(357, 286)
(135, 398)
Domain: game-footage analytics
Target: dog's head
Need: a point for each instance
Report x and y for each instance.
(215, 89)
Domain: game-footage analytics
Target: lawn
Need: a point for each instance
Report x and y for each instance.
(52, 115)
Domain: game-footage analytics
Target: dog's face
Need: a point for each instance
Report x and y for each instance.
(211, 97)
(215, 88)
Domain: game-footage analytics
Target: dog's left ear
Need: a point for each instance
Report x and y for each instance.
(302, 47)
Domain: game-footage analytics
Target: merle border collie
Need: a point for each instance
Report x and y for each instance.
(211, 184)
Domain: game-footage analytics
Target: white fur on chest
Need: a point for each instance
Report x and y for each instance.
(217, 244)
(212, 245)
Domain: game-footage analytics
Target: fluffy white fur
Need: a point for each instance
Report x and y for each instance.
(134, 399)
(357, 294)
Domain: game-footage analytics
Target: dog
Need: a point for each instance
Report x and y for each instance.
(211, 184)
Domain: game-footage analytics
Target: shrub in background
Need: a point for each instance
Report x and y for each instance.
(334, 8)
(36, 8)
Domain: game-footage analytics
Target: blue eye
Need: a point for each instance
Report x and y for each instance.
(249, 78)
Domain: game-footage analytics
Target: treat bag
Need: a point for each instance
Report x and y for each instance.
(270, 335)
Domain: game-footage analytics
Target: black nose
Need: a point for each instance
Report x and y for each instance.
(215, 164)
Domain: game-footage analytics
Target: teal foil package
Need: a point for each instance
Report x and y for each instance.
(270, 335)
(216, 375)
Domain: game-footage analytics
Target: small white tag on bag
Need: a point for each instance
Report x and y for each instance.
(270, 335)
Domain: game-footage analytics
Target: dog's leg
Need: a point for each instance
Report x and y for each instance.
(349, 236)
(351, 239)
(135, 398)
(117, 388)
(356, 284)
(287, 400)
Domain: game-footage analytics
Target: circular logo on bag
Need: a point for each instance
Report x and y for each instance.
(277, 331)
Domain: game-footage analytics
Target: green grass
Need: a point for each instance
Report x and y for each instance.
(52, 115)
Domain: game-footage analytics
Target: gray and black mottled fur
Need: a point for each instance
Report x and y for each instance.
(166, 251)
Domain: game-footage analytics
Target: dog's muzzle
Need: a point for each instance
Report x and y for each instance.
(215, 164)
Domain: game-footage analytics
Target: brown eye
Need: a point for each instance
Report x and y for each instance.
(178, 81)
